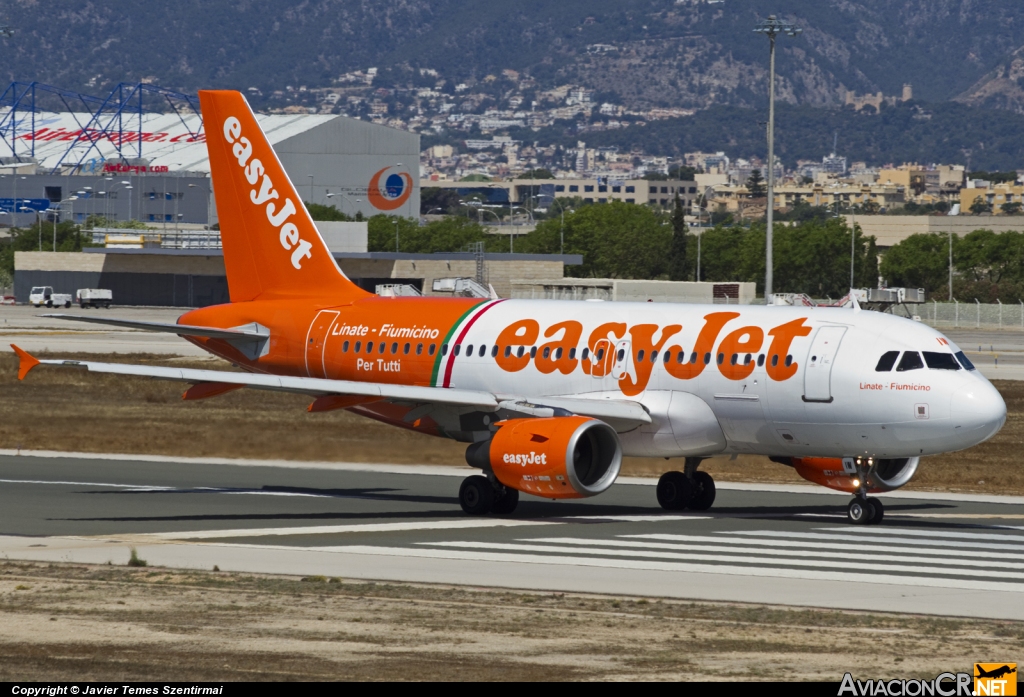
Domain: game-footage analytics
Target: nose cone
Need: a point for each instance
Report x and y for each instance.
(978, 412)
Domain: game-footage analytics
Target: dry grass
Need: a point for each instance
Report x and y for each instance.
(76, 622)
(76, 411)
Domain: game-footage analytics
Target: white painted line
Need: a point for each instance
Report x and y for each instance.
(769, 572)
(728, 559)
(997, 560)
(916, 549)
(337, 529)
(106, 484)
(636, 518)
(464, 470)
(926, 542)
(1019, 539)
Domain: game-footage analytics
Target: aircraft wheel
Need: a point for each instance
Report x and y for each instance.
(505, 502)
(879, 511)
(675, 491)
(703, 492)
(476, 495)
(860, 511)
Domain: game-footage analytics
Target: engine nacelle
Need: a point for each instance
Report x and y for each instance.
(561, 457)
(841, 473)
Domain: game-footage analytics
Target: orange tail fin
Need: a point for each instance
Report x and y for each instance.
(26, 362)
(272, 249)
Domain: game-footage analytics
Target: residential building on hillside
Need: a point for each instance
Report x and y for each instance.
(995, 196)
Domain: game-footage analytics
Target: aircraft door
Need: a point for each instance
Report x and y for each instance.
(316, 339)
(820, 357)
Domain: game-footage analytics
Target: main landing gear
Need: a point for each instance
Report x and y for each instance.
(481, 495)
(865, 510)
(690, 489)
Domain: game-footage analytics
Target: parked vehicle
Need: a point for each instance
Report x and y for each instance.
(44, 295)
(94, 297)
(7, 300)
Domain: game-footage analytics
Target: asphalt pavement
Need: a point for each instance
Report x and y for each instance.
(934, 553)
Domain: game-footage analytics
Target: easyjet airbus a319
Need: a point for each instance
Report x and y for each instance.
(550, 395)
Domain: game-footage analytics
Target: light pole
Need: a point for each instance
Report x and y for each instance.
(310, 187)
(561, 229)
(396, 234)
(772, 27)
(344, 197)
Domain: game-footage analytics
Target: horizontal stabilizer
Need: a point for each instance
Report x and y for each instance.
(179, 329)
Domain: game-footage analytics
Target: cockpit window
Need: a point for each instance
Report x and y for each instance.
(887, 361)
(940, 361)
(964, 361)
(911, 361)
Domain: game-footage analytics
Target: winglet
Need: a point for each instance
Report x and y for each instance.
(26, 362)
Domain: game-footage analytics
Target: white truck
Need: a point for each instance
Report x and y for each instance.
(94, 297)
(44, 296)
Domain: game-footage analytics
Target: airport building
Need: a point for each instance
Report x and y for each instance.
(155, 167)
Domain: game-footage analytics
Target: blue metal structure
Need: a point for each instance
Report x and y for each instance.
(116, 118)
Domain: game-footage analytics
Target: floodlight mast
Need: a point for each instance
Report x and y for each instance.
(771, 28)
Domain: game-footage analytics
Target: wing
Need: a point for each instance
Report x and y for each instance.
(623, 415)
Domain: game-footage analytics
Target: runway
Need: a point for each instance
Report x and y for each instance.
(934, 553)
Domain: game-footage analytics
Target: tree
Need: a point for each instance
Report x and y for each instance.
(1011, 208)
(920, 261)
(539, 173)
(434, 197)
(617, 240)
(980, 206)
(755, 185)
(682, 172)
(451, 234)
(318, 211)
(677, 270)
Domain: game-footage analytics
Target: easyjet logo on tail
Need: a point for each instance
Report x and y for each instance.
(264, 193)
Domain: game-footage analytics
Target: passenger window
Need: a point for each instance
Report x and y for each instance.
(760, 360)
(547, 351)
(775, 360)
(747, 359)
(406, 348)
(483, 350)
(600, 354)
(419, 349)
(432, 349)
(469, 350)
(394, 348)
(558, 353)
(369, 347)
(508, 351)
(357, 347)
(621, 354)
(494, 351)
(789, 361)
(940, 361)
(533, 352)
(887, 361)
(444, 349)
(458, 349)
(572, 353)
(586, 353)
(911, 361)
(721, 358)
(640, 356)
(654, 356)
(707, 358)
(733, 359)
(964, 361)
(693, 357)
(344, 347)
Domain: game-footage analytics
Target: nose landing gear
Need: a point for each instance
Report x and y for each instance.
(865, 511)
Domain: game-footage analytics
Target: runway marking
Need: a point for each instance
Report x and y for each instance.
(747, 546)
(932, 533)
(860, 538)
(714, 556)
(917, 550)
(1014, 516)
(336, 529)
(725, 570)
(61, 483)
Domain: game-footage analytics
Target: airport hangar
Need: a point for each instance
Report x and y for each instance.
(48, 157)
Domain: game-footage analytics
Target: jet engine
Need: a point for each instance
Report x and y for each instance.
(560, 457)
(841, 473)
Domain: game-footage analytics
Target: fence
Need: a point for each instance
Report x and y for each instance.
(966, 315)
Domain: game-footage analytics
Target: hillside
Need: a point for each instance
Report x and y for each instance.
(685, 53)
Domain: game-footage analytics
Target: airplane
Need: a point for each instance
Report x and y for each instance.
(550, 395)
(995, 673)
